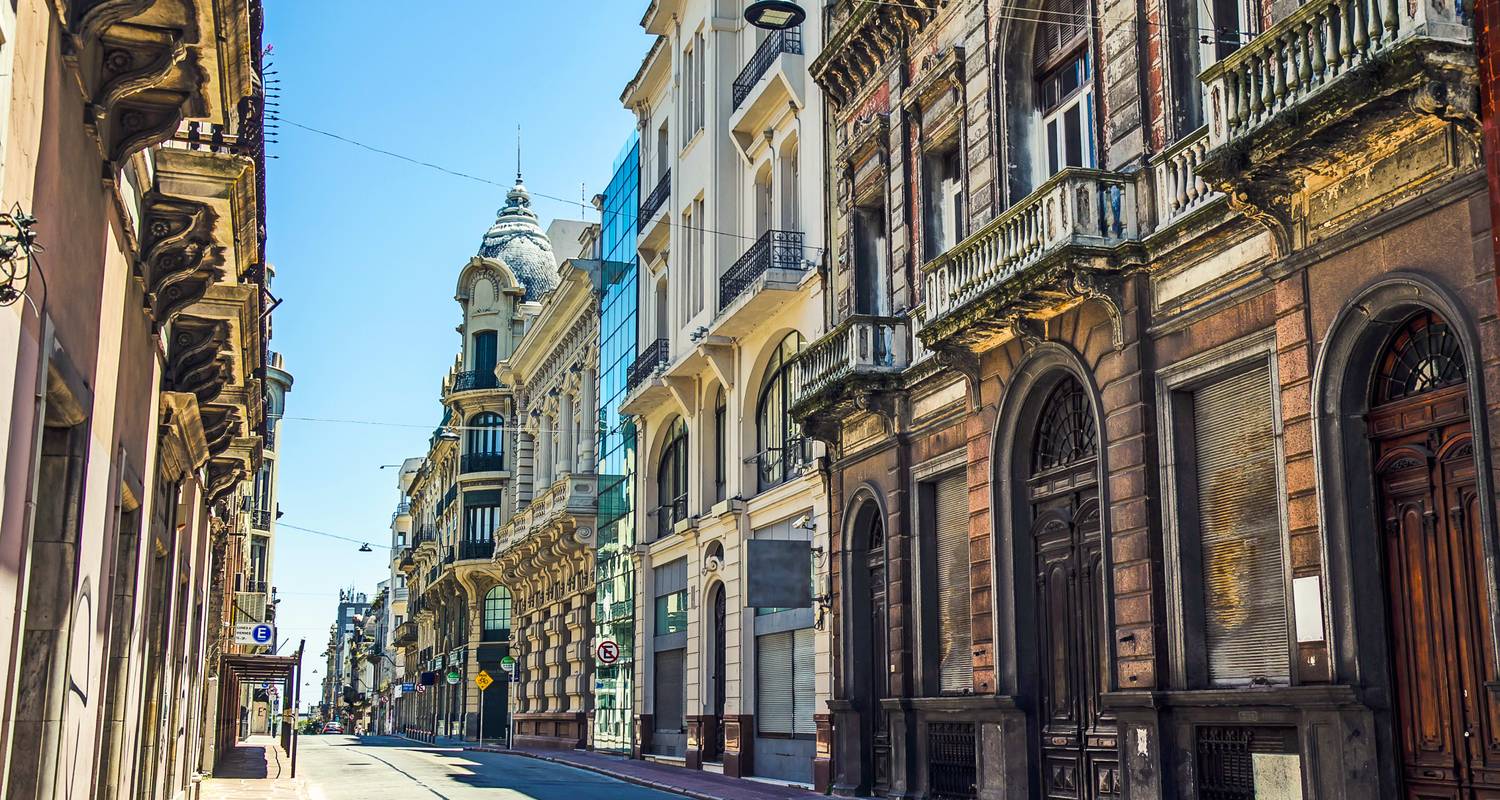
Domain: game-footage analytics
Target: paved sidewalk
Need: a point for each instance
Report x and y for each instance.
(693, 783)
(254, 769)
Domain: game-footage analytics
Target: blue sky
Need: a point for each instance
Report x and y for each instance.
(367, 248)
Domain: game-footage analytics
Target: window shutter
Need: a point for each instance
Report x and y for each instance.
(804, 687)
(774, 693)
(670, 697)
(955, 639)
(1243, 584)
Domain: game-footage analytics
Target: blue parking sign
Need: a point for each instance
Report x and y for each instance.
(263, 633)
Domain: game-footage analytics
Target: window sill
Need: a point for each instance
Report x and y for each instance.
(687, 146)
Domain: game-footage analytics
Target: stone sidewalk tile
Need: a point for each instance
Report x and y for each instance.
(255, 769)
(697, 784)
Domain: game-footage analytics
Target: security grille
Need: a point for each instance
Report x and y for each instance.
(955, 636)
(952, 761)
(1226, 758)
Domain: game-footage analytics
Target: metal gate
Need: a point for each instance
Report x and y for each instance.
(952, 761)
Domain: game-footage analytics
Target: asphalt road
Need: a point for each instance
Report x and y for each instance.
(346, 768)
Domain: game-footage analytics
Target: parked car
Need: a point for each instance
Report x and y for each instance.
(333, 727)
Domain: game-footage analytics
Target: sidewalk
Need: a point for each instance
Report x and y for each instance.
(697, 784)
(254, 769)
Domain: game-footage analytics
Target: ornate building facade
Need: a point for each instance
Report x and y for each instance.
(731, 285)
(1156, 389)
(135, 384)
(545, 551)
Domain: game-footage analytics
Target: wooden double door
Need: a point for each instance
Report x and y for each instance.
(1078, 747)
(1438, 613)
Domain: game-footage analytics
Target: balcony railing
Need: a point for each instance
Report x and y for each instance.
(778, 42)
(1311, 49)
(773, 250)
(472, 379)
(776, 465)
(424, 535)
(257, 587)
(449, 555)
(475, 551)
(668, 515)
(654, 201)
(860, 344)
(1179, 190)
(269, 437)
(260, 519)
(645, 364)
(1075, 207)
(402, 508)
(482, 462)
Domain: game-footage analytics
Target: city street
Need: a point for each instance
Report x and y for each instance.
(346, 768)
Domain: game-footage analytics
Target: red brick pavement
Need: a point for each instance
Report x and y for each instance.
(693, 783)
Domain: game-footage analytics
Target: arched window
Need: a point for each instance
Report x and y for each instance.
(486, 444)
(497, 615)
(1423, 356)
(782, 450)
(1066, 435)
(672, 479)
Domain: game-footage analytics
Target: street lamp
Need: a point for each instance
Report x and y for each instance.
(775, 15)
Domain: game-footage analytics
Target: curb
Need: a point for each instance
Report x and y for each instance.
(635, 779)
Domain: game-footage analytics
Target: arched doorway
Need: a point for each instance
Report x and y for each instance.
(876, 651)
(1432, 549)
(714, 751)
(1074, 738)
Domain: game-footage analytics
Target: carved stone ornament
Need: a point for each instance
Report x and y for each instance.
(220, 426)
(197, 358)
(962, 360)
(179, 260)
(1107, 288)
(140, 70)
(223, 475)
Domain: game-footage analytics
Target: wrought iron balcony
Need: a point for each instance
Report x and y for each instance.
(778, 42)
(473, 379)
(476, 551)
(405, 634)
(260, 519)
(668, 515)
(773, 250)
(402, 508)
(862, 348)
(482, 462)
(257, 587)
(1028, 258)
(424, 535)
(776, 465)
(654, 201)
(647, 363)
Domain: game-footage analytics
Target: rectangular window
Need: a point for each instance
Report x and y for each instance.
(1067, 107)
(942, 201)
(871, 283)
(671, 597)
(784, 684)
(484, 351)
(700, 81)
(948, 521)
(700, 256)
(480, 522)
(1244, 588)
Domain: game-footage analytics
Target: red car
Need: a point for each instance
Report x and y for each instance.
(334, 727)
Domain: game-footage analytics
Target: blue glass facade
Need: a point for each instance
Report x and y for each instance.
(614, 613)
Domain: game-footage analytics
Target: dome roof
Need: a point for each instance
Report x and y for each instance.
(517, 241)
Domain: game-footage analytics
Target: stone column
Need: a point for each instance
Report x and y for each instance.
(565, 449)
(588, 393)
(543, 455)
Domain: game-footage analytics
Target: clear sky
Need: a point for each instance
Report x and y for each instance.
(367, 248)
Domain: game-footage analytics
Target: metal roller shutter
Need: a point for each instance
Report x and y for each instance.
(955, 638)
(1240, 531)
(804, 686)
(775, 699)
(670, 698)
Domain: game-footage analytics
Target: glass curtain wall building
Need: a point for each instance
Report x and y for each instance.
(614, 615)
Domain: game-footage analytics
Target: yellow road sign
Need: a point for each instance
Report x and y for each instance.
(483, 680)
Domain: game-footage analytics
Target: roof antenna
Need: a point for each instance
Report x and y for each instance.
(518, 152)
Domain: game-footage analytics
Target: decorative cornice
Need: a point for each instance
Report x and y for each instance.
(869, 35)
(198, 360)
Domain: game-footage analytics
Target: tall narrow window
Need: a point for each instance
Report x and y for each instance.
(700, 81)
(663, 151)
(669, 645)
(485, 447)
(497, 615)
(1065, 82)
(484, 352)
(763, 199)
(721, 443)
(872, 294)
(783, 451)
(791, 206)
(701, 277)
(948, 525)
(942, 201)
(1244, 585)
(672, 479)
